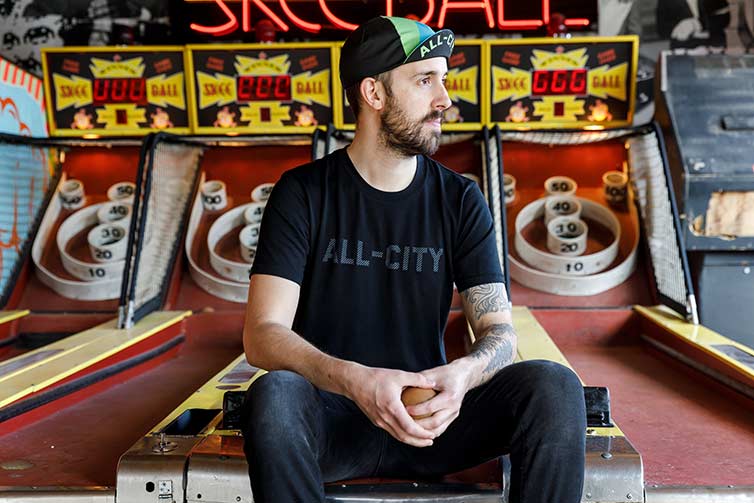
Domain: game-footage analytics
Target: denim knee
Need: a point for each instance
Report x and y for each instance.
(274, 404)
(556, 393)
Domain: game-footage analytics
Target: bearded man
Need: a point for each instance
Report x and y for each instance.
(349, 297)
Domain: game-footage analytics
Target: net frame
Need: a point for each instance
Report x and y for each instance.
(132, 307)
(25, 252)
(321, 141)
(683, 302)
(495, 165)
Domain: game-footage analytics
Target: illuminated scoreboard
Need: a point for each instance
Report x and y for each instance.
(260, 88)
(108, 91)
(563, 83)
(465, 85)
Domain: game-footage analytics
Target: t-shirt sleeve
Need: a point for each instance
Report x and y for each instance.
(284, 235)
(475, 257)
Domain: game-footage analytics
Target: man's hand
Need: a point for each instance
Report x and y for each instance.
(377, 392)
(451, 383)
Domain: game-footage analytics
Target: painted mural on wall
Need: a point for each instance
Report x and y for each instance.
(28, 25)
(22, 109)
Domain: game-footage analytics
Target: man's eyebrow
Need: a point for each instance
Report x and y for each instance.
(427, 74)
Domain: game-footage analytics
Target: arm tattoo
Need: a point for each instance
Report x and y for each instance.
(497, 345)
(489, 298)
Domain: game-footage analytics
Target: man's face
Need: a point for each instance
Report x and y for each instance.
(416, 98)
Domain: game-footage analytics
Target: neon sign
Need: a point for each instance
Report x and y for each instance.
(434, 14)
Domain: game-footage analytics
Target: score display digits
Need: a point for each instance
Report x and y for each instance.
(557, 82)
(120, 90)
(264, 88)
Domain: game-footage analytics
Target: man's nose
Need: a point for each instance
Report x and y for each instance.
(442, 101)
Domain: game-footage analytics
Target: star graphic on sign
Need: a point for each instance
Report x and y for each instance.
(559, 49)
(117, 57)
(262, 55)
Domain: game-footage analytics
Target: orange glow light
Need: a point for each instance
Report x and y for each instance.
(447, 4)
(304, 25)
(334, 19)
(222, 29)
(522, 23)
(430, 12)
(274, 17)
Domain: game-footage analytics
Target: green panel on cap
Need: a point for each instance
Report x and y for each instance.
(408, 31)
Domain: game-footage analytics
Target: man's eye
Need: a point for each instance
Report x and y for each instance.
(425, 80)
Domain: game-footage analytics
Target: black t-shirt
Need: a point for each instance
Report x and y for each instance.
(377, 268)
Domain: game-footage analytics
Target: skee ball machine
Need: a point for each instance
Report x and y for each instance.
(72, 279)
(596, 252)
(72, 407)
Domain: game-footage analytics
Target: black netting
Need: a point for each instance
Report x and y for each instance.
(650, 179)
(170, 167)
(29, 171)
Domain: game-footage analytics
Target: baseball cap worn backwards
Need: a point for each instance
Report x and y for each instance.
(384, 43)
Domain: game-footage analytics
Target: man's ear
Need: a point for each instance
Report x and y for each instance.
(373, 93)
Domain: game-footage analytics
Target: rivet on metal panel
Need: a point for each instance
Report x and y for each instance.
(629, 497)
(588, 496)
(165, 487)
(607, 455)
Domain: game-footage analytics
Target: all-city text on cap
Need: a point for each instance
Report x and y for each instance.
(384, 43)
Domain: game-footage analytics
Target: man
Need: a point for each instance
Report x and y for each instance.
(349, 296)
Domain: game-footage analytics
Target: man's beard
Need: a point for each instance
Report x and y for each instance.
(405, 137)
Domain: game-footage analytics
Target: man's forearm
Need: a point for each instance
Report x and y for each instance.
(275, 347)
(495, 346)
(494, 349)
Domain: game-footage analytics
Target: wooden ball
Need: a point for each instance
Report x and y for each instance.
(413, 396)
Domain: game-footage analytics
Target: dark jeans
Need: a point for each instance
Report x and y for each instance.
(297, 437)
